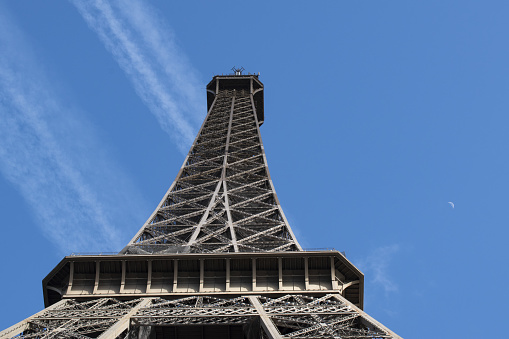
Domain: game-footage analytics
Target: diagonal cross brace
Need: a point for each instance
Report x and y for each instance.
(267, 324)
(121, 325)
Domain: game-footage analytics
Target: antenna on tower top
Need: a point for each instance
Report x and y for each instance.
(238, 71)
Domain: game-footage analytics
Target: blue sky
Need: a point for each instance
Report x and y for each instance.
(378, 113)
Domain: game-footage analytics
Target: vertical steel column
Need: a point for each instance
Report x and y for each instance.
(227, 286)
(97, 276)
(175, 274)
(280, 271)
(253, 268)
(122, 281)
(149, 275)
(202, 275)
(71, 277)
(333, 274)
(306, 273)
(223, 178)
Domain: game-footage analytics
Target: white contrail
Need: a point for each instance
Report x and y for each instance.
(53, 159)
(376, 265)
(143, 46)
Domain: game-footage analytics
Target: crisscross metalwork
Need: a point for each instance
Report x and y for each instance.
(223, 199)
(293, 316)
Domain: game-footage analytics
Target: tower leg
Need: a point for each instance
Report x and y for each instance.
(23, 325)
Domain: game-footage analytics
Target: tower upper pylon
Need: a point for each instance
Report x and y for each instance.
(223, 199)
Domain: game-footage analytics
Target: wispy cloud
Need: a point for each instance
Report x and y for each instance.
(50, 154)
(376, 267)
(145, 48)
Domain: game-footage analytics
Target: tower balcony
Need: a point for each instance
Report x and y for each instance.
(178, 275)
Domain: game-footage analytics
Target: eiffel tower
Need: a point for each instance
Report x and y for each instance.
(216, 259)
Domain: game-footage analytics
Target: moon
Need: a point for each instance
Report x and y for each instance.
(452, 204)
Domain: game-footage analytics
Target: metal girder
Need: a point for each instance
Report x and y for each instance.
(226, 171)
(267, 324)
(123, 324)
(290, 316)
(74, 319)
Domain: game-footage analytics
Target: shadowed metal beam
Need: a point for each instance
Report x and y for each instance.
(267, 324)
(123, 324)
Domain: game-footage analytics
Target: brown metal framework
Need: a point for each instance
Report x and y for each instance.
(223, 199)
(216, 259)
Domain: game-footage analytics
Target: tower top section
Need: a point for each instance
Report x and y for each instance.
(248, 84)
(223, 199)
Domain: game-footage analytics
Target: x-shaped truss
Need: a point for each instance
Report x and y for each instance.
(289, 316)
(223, 199)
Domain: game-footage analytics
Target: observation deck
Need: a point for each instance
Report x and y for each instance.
(242, 83)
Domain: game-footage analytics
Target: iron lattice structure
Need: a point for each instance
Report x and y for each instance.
(223, 199)
(216, 259)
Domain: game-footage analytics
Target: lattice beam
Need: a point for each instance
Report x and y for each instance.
(224, 181)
